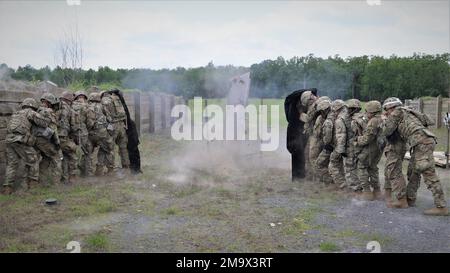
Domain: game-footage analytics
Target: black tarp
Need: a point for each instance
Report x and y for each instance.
(295, 138)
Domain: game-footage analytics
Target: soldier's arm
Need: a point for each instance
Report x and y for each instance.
(391, 123)
(90, 118)
(106, 109)
(369, 134)
(327, 131)
(38, 119)
(341, 136)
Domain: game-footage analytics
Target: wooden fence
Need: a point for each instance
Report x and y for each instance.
(435, 107)
(150, 111)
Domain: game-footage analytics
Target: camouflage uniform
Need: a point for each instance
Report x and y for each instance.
(358, 124)
(82, 136)
(67, 128)
(422, 142)
(49, 145)
(325, 134)
(350, 162)
(20, 141)
(339, 143)
(99, 136)
(395, 153)
(371, 151)
(115, 114)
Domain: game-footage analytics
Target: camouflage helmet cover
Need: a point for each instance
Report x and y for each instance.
(29, 102)
(337, 105)
(49, 97)
(353, 103)
(80, 93)
(373, 106)
(323, 105)
(67, 95)
(95, 96)
(392, 102)
(306, 96)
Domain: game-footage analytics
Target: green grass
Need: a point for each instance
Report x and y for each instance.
(97, 241)
(328, 247)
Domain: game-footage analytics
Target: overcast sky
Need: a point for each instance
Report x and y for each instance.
(155, 34)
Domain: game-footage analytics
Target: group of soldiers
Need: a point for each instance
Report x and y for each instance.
(58, 139)
(345, 145)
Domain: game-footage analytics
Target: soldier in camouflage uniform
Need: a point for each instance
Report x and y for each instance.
(49, 144)
(85, 119)
(326, 135)
(116, 116)
(315, 139)
(19, 144)
(371, 145)
(351, 172)
(422, 142)
(99, 136)
(339, 143)
(68, 127)
(308, 101)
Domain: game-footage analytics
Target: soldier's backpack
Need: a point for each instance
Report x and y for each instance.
(423, 118)
(120, 111)
(19, 123)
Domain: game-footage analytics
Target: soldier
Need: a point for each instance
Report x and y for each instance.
(308, 101)
(339, 143)
(422, 142)
(86, 121)
(67, 129)
(19, 144)
(325, 134)
(371, 151)
(99, 136)
(354, 108)
(315, 139)
(49, 144)
(116, 116)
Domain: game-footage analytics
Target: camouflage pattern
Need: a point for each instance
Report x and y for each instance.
(115, 114)
(99, 137)
(67, 124)
(350, 162)
(395, 153)
(81, 136)
(50, 166)
(339, 143)
(422, 143)
(323, 160)
(20, 140)
(370, 154)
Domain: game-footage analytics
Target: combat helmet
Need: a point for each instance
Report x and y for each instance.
(104, 93)
(337, 105)
(392, 102)
(95, 97)
(29, 102)
(50, 98)
(67, 95)
(305, 97)
(323, 105)
(80, 93)
(373, 106)
(353, 103)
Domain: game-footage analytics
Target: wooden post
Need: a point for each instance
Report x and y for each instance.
(151, 113)
(420, 105)
(439, 112)
(163, 111)
(137, 111)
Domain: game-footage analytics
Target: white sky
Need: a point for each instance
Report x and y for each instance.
(152, 34)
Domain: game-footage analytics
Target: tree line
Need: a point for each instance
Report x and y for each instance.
(365, 77)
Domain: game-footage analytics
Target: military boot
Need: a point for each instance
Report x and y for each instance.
(436, 212)
(7, 190)
(401, 203)
(31, 183)
(388, 197)
(411, 202)
(99, 172)
(367, 196)
(377, 194)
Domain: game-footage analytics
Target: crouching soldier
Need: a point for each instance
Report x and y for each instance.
(47, 142)
(19, 144)
(99, 136)
(67, 127)
(422, 142)
(371, 144)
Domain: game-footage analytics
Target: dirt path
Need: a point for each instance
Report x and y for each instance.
(214, 197)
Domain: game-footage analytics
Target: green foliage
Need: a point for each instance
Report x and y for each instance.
(365, 77)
